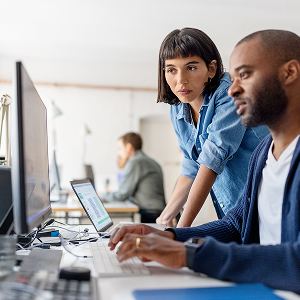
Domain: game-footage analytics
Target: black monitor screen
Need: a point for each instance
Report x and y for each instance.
(30, 168)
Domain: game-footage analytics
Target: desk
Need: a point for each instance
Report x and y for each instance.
(119, 209)
(121, 288)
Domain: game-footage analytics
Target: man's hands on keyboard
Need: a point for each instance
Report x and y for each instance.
(140, 229)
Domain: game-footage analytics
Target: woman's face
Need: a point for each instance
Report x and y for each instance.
(187, 77)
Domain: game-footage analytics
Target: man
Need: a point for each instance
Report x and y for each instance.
(258, 240)
(142, 181)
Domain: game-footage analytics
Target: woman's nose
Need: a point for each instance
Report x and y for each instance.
(181, 78)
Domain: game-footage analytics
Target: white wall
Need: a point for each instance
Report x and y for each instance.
(107, 113)
(160, 142)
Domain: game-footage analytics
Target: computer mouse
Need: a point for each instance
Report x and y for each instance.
(75, 273)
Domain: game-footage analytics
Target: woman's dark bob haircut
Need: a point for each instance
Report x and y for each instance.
(187, 42)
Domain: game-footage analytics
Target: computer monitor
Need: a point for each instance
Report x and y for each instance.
(89, 174)
(54, 175)
(6, 206)
(29, 144)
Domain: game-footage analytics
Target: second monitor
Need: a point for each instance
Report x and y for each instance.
(29, 143)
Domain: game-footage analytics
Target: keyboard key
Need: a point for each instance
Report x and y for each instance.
(106, 263)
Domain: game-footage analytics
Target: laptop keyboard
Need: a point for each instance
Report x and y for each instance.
(106, 263)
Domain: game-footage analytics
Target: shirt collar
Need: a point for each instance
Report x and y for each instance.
(184, 112)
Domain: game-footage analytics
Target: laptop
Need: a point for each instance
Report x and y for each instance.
(92, 205)
(105, 261)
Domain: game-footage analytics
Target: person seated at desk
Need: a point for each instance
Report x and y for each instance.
(259, 239)
(142, 181)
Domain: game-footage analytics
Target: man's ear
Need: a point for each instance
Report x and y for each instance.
(291, 71)
(129, 148)
(212, 68)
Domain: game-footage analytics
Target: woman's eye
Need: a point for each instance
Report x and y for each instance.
(170, 70)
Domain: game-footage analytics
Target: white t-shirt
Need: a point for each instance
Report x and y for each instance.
(270, 194)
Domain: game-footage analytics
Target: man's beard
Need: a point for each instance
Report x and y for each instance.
(270, 104)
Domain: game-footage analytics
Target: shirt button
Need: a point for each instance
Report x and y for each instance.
(199, 149)
(221, 205)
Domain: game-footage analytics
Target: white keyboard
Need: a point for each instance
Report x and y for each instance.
(106, 263)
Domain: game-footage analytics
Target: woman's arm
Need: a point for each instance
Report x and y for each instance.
(177, 200)
(197, 195)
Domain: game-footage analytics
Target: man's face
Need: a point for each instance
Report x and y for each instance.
(123, 151)
(258, 93)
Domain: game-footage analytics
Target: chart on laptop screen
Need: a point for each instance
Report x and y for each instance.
(92, 204)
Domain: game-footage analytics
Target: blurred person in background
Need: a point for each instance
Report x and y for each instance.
(142, 179)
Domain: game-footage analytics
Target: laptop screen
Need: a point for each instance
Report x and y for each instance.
(92, 204)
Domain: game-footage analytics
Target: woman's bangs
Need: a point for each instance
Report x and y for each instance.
(184, 47)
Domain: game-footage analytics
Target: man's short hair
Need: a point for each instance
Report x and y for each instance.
(134, 139)
(282, 45)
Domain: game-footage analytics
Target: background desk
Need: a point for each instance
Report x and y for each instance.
(117, 209)
(121, 288)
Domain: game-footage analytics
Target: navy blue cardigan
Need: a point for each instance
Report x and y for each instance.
(232, 250)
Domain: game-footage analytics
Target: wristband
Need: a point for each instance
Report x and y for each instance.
(192, 246)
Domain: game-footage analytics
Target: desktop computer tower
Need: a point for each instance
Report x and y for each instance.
(6, 206)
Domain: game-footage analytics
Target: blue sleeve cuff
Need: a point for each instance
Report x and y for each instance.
(189, 168)
(213, 157)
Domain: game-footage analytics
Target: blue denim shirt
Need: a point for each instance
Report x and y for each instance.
(220, 142)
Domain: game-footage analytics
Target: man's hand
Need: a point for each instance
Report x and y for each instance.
(139, 229)
(153, 247)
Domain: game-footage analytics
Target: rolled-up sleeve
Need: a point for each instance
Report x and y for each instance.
(224, 134)
(189, 168)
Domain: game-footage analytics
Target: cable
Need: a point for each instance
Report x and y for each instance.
(70, 229)
(49, 222)
(35, 232)
(32, 240)
(93, 239)
(64, 244)
(61, 223)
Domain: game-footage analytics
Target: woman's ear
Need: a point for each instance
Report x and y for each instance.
(212, 69)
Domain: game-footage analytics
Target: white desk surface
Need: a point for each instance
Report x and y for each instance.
(121, 288)
(75, 204)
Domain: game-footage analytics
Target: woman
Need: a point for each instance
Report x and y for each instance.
(215, 145)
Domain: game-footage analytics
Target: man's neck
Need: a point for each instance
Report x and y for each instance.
(283, 133)
(132, 153)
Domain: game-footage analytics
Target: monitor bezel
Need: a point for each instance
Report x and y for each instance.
(18, 161)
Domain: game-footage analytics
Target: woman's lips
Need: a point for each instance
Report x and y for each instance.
(184, 92)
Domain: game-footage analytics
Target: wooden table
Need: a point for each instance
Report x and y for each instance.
(117, 209)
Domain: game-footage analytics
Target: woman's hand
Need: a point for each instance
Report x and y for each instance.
(176, 202)
(162, 219)
(153, 247)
